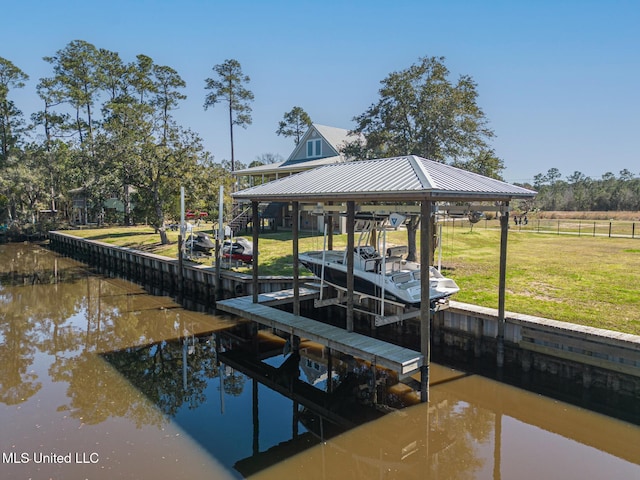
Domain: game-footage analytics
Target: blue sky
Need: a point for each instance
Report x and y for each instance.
(558, 80)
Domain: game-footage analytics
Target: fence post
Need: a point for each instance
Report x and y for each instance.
(558, 227)
(633, 230)
(594, 229)
(610, 229)
(579, 227)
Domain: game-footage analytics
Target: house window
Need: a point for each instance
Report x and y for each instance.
(314, 148)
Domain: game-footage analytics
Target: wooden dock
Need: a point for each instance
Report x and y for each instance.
(378, 352)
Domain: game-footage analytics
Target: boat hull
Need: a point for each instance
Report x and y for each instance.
(370, 283)
(338, 277)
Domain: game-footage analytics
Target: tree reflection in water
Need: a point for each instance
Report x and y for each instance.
(158, 372)
(26, 279)
(17, 350)
(54, 306)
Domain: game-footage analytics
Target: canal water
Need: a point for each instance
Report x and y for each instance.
(100, 380)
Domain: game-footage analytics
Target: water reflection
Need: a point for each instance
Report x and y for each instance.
(161, 373)
(90, 364)
(475, 428)
(60, 397)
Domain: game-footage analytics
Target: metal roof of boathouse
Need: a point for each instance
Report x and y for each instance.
(397, 178)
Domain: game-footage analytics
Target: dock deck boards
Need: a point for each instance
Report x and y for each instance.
(400, 359)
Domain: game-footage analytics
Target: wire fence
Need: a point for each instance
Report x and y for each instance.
(591, 228)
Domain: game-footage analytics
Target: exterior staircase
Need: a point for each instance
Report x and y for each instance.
(239, 218)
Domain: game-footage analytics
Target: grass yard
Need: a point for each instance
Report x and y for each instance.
(138, 237)
(586, 280)
(589, 281)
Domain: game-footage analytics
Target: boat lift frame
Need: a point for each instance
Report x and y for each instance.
(380, 319)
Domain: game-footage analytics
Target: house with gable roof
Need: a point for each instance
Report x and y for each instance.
(320, 145)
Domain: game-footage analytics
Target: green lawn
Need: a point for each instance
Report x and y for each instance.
(589, 281)
(586, 280)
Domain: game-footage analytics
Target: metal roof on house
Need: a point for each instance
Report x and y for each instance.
(273, 168)
(398, 178)
(337, 138)
(266, 168)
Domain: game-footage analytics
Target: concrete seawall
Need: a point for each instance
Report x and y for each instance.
(587, 356)
(591, 357)
(163, 273)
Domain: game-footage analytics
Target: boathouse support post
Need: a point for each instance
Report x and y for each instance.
(425, 300)
(295, 216)
(255, 224)
(351, 217)
(504, 231)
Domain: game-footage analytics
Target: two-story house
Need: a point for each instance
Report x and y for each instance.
(320, 145)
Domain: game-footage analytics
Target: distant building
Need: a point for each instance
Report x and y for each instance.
(83, 211)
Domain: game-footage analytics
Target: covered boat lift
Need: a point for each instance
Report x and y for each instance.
(387, 183)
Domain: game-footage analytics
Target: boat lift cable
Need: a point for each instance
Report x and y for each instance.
(324, 256)
(439, 246)
(450, 240)
(384, 269)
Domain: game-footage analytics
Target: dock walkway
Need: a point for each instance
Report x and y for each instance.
(381, 353)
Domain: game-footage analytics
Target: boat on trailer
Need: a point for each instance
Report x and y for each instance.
(385, 276)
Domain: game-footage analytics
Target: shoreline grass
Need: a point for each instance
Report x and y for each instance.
(584, 280)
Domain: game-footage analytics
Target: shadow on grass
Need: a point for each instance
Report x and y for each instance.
(284, 236)
(152, 247)
(279, 266)
(119, 235)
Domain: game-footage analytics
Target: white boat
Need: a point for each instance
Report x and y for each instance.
(386, 276)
